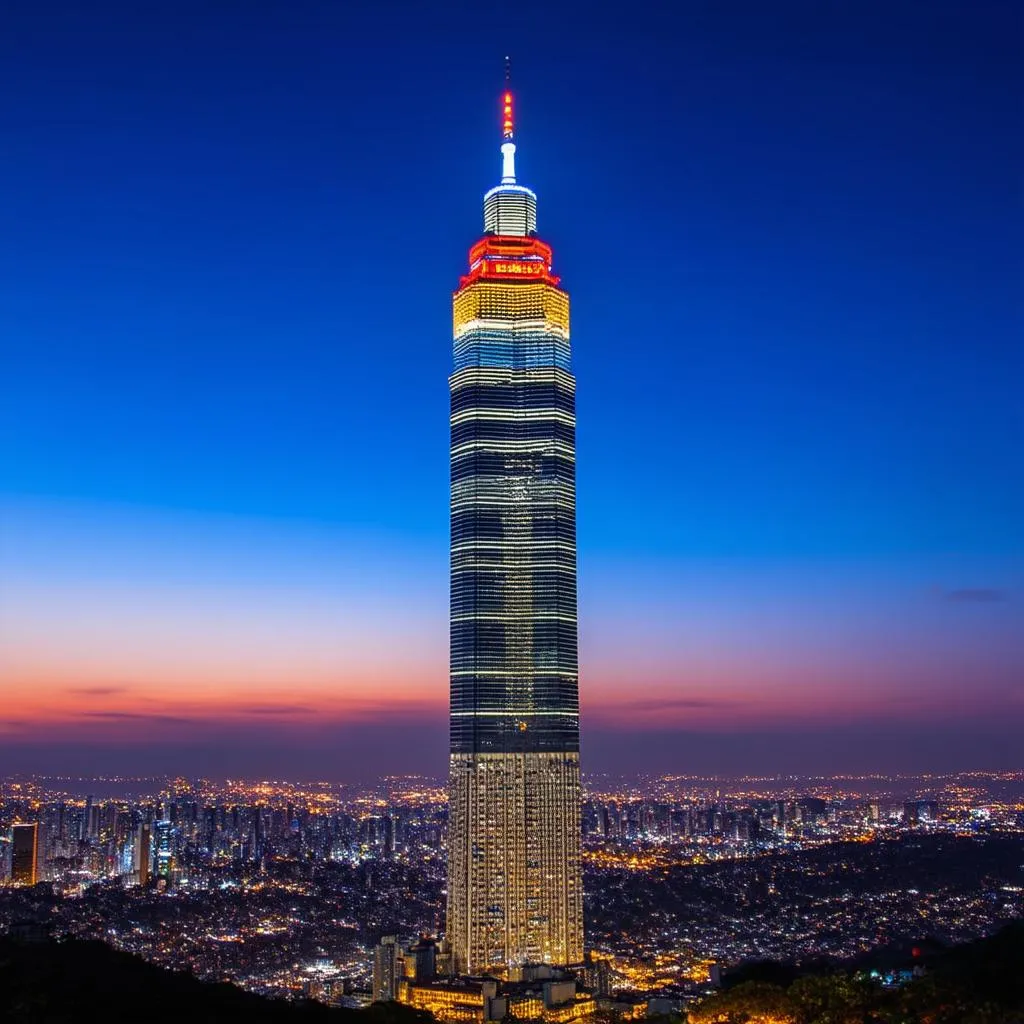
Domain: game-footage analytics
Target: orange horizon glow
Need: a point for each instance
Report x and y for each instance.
(117, 625)
(101, 708)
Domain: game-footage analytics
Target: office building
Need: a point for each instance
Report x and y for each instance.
(165, 861)
(24, 853)
(388, 966)
(143, 854)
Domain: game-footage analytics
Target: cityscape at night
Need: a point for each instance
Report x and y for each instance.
(286, 889)
(724, 623)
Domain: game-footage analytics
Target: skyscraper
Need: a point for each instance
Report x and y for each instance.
(143, 853)
(164, 853)
(514, 889)
(24, 853)
(387, 969)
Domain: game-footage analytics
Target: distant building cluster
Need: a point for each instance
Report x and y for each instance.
(184, 836)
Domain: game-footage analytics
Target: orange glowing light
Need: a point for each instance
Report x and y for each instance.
(506, 124)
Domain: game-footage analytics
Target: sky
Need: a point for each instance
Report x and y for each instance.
(229, 234)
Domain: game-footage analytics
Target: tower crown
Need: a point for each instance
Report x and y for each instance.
(509, 208)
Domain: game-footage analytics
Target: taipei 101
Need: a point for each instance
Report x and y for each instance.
(669, 669)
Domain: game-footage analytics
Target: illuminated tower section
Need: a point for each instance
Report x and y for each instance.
(514, 889)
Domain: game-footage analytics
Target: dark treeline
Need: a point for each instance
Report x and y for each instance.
(977, 983)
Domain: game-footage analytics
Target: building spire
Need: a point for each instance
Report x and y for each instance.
(506, 121)
(508, 147)
(509, 208)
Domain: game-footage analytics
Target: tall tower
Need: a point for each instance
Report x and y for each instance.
(515, 894)
(143, 854)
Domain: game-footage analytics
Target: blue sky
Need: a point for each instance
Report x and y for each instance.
(791, 237)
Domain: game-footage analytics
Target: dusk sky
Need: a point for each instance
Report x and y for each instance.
(229, 233)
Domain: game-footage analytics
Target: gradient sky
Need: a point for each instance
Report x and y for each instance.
(228, 237)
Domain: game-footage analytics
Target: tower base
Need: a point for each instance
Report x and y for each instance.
(515, 892)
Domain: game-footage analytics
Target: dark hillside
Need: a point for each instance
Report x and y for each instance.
(74, 982)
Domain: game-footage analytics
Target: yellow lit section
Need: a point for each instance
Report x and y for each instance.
(445, 1004)
(463, 1005)
(493, 300)
(582, 1007)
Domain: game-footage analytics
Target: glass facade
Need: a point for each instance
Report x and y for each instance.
(514, 893)
(513, 550)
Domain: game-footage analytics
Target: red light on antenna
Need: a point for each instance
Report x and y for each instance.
(506, 124)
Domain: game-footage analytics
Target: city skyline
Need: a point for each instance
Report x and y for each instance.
(201, 542)
(727, 865)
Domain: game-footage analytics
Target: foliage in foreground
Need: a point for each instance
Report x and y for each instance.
(980, 983)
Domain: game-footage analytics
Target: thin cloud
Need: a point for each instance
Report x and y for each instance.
(96, 691)
(976, 595)
(135, 716)
(278, 709)
(673, 704)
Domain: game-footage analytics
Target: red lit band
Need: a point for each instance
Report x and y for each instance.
(509, 258)
(509, 245)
